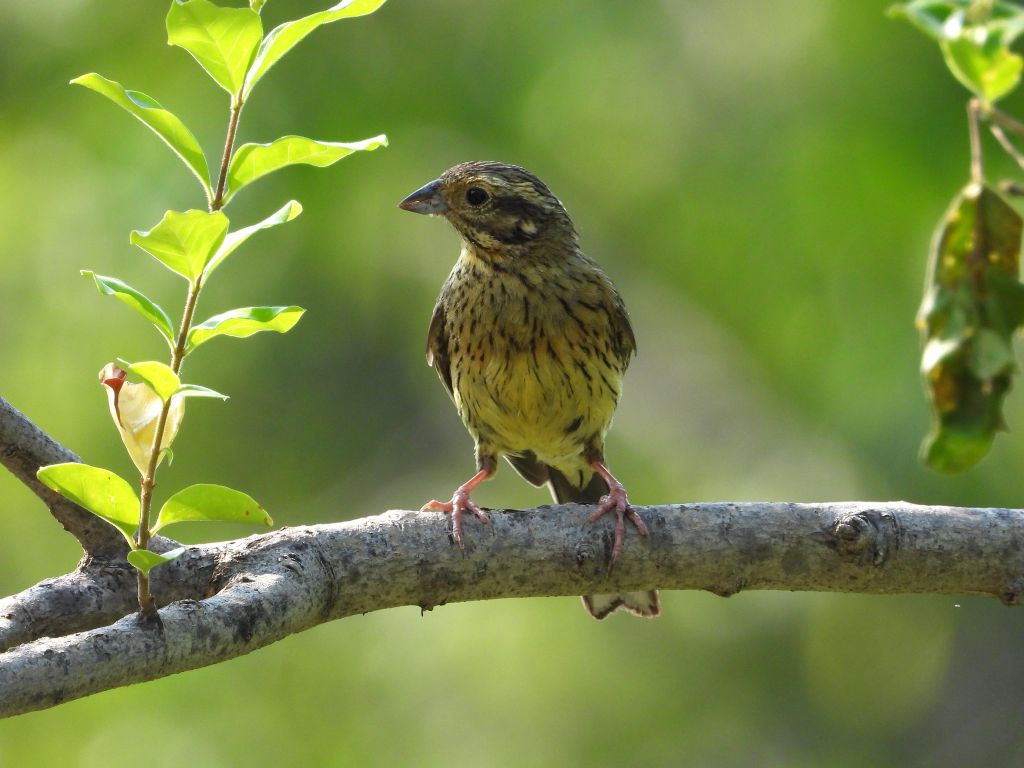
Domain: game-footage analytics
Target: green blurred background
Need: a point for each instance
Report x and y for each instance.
(760, 177)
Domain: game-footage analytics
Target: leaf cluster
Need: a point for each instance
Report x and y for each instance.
(972, 307)
(973, 302)
(975, 38)
(230, 46)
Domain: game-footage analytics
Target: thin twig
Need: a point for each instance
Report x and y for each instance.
(142, 535)
(1002, 119)
(229, 143)
(973, 117)
(1007, 144)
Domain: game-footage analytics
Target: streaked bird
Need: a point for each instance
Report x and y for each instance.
(531, 339)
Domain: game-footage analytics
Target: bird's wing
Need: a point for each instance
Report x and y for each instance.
(623, 329)
(437, 347)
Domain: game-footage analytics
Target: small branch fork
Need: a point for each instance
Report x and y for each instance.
(1000, 125)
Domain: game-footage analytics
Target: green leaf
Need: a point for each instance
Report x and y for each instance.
(194, 390)
(145, 560)
(158, 376)
(184, 242)
(952, 451)
(163, 123)
(204, 502)
(244, 322)
(991, 354)
(973, 304)
(974, 36)
(232, 240)
(1003, 306)
(930, 16)
(111, 286)
(949, 19)
(284, 37)
(257, 5)
(222, 40)
(989, 71)
(98, 490)
(251, 161)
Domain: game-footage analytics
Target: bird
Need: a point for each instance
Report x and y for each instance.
(531, 339)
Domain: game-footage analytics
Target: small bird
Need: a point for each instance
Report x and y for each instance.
(531, 340)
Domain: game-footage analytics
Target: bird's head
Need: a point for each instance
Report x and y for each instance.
(497, 208)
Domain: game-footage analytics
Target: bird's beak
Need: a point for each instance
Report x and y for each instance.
(426, 199)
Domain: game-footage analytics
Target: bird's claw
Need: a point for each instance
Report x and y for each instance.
(617, 502)
(457, 507)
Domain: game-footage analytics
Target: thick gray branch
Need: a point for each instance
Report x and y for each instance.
(267, 587)
(97, 593)
(24, 448)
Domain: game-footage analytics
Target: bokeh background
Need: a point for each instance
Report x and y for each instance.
(760, 177)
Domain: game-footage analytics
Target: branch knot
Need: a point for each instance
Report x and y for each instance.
(867, 537)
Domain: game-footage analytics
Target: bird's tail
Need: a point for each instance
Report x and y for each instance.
(639, 603)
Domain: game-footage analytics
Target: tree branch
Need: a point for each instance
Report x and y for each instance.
(97, 593)
(266, 587)
(24, 448)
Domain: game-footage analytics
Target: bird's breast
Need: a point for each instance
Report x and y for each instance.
(531, 362)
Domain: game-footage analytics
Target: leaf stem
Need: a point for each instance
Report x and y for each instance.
(973, 118)
(1008, 146)
(1004, 121)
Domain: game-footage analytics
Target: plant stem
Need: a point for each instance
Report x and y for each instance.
(1008, 146)
(229, 143)
(142, 536)
(973, 117)
(1005, 121)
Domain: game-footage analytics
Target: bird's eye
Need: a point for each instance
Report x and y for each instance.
(476, 196)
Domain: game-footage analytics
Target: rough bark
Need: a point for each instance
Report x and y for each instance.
(77, 634)
(235, 597)
(24, 448)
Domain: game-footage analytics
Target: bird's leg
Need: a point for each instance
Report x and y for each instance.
(616, 501)
(461, 503)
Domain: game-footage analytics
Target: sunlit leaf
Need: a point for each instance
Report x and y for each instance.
(973, 304)
(933, 17)
(989, 71)
(974, 38)
(158, 376)
(251, 161)
(206, 502)
(222, 40)
(111, 286)
(234, 239)
(194, 390)
(284, 37)
(163, 123)
(98, 490)
(244, 322)
(949, 19)
(184, 242)
(135, 409)
(145, 561)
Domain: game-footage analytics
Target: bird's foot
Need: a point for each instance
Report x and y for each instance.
(616, 501)
(457, 507)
